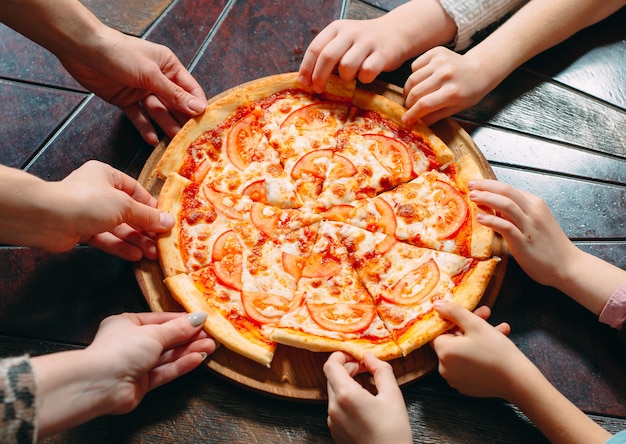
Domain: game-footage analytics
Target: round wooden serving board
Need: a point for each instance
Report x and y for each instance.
(297, 373)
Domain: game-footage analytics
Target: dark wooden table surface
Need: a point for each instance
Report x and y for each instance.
(555, 127)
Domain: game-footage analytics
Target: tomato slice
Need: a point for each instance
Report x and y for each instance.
(242, 143)
(264, 217)
(267, 308)
(387, 221)
(218, 200)
(317, 114)
(386, 245)
(345, 318)
(228, 271)
(342, 167)
(394, 155)
(451, 210)
(256, 191)
(314, 163)
(339, 213)
(415, 286)
(293, 264)
(225, 244)
(320, 266)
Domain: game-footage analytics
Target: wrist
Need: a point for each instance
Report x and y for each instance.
(71, 390)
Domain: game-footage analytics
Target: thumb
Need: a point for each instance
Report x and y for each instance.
(148, 219)
(183, 93)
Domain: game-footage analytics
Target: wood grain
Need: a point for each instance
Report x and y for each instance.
(297, 373)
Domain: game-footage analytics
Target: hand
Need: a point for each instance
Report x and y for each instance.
(355, 48)
(357, 416)
(107, 209)
(442, 84)
(131, 354)
(532, 234)
(138, 352)
(141, 78)
(476, 358)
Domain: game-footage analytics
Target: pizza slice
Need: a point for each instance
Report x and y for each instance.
(405, 281)
(227, 319)
(204, 218)
(432, 211)
(337, 311)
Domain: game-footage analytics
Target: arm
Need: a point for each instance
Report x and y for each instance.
(357, 416)
(541, 247)
(136, 75)
(444, 82)
(364, 48)
(130, 355)
(478, 360)
(96, 204)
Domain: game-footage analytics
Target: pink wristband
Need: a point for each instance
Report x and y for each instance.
(614, 312)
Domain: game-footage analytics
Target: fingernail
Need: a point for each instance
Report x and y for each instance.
(166, 220)
(204, 355)
(196, 105)
(304, 81)
(438, 304)
(197, 319)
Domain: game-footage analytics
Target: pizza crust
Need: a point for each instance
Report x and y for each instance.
(467, 295)
(357, 348)
(188, 295)
(168, 244)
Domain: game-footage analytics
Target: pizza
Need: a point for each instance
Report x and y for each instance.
(318, 221)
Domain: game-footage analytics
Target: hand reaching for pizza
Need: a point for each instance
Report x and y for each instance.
(442, 84)
(479, 360)
(362, 49)
(109, 210)
(355, 48)
(476, 358)
(144, 79)
(357, 416)
(96, 204)
(540, 246)
(131, 354)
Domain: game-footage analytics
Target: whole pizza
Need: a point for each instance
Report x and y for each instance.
(319, 221)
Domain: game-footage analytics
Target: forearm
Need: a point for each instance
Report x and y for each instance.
(537, 26)
(589, 280)
(28, 216)
(61, 26)
(422, 25)
(70, 390)
(557, 418)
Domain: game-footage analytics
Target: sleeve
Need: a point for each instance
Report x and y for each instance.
(620, 438)
(17, 401)
(614, 312)
(475, 19)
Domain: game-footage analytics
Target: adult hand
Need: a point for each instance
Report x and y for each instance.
(442, 84)
(144, 79)
(357, 416)
(131, 354)
(107, 209)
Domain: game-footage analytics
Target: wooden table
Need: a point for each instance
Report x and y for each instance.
(555, 127)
